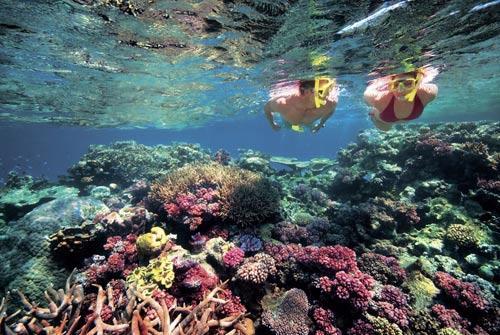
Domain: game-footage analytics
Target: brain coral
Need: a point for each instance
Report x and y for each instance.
(288, 314)
(246, 198)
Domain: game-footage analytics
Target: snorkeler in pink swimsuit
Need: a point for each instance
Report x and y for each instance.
(401, 97)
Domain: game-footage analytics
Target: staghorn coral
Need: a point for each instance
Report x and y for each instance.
(67, 313)
(257, 269)
(286, 313)
(246, 198)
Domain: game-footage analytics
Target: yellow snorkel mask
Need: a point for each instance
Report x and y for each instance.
(322, 88)
(406, 84)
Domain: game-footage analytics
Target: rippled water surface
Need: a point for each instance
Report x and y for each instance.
(174, 64)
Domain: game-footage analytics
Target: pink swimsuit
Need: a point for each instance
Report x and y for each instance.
(389, 116)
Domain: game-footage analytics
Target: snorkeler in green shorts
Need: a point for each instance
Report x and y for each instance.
(302, 103)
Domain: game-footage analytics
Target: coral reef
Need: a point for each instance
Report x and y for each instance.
(238, 196)
(124, 162)
(397, 235)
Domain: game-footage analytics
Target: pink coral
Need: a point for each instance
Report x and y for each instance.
(329, 260)
(449, 318)
(323, 318)
(353, 288)
(233, 257)
(194, 208)
(465, 295)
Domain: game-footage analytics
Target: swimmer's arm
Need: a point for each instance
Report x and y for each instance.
(323, 119)
(269, 115)
(427, 92)
(373, 95)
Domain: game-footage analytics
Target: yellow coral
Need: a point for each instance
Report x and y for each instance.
(151, 243)
(449, 331)
(159, 273)
(464, 235)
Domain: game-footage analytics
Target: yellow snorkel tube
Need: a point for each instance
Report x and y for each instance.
(412, 94)
(322, 90)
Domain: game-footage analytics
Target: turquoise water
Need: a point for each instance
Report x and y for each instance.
(94, 65)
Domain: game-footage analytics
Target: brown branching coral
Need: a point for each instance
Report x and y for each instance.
(109, 314)
(246, 198)
(60, 317)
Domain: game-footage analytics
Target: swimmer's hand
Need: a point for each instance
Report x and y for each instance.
(317, 127)
(275, 126)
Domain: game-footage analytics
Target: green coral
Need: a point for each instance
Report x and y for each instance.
(422, 290)
(159, 273)
(464, 235)
(448, 331)
(440, 210)
(151, 243)
(383, 327)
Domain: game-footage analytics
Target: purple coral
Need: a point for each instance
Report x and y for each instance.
(329, 260)
(449, 318)
(324, 319)
(353, 288)
(249, 243)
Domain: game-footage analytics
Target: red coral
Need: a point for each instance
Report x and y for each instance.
(465, 295)
(233, 257)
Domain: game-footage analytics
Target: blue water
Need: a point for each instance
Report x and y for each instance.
(48, 150)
